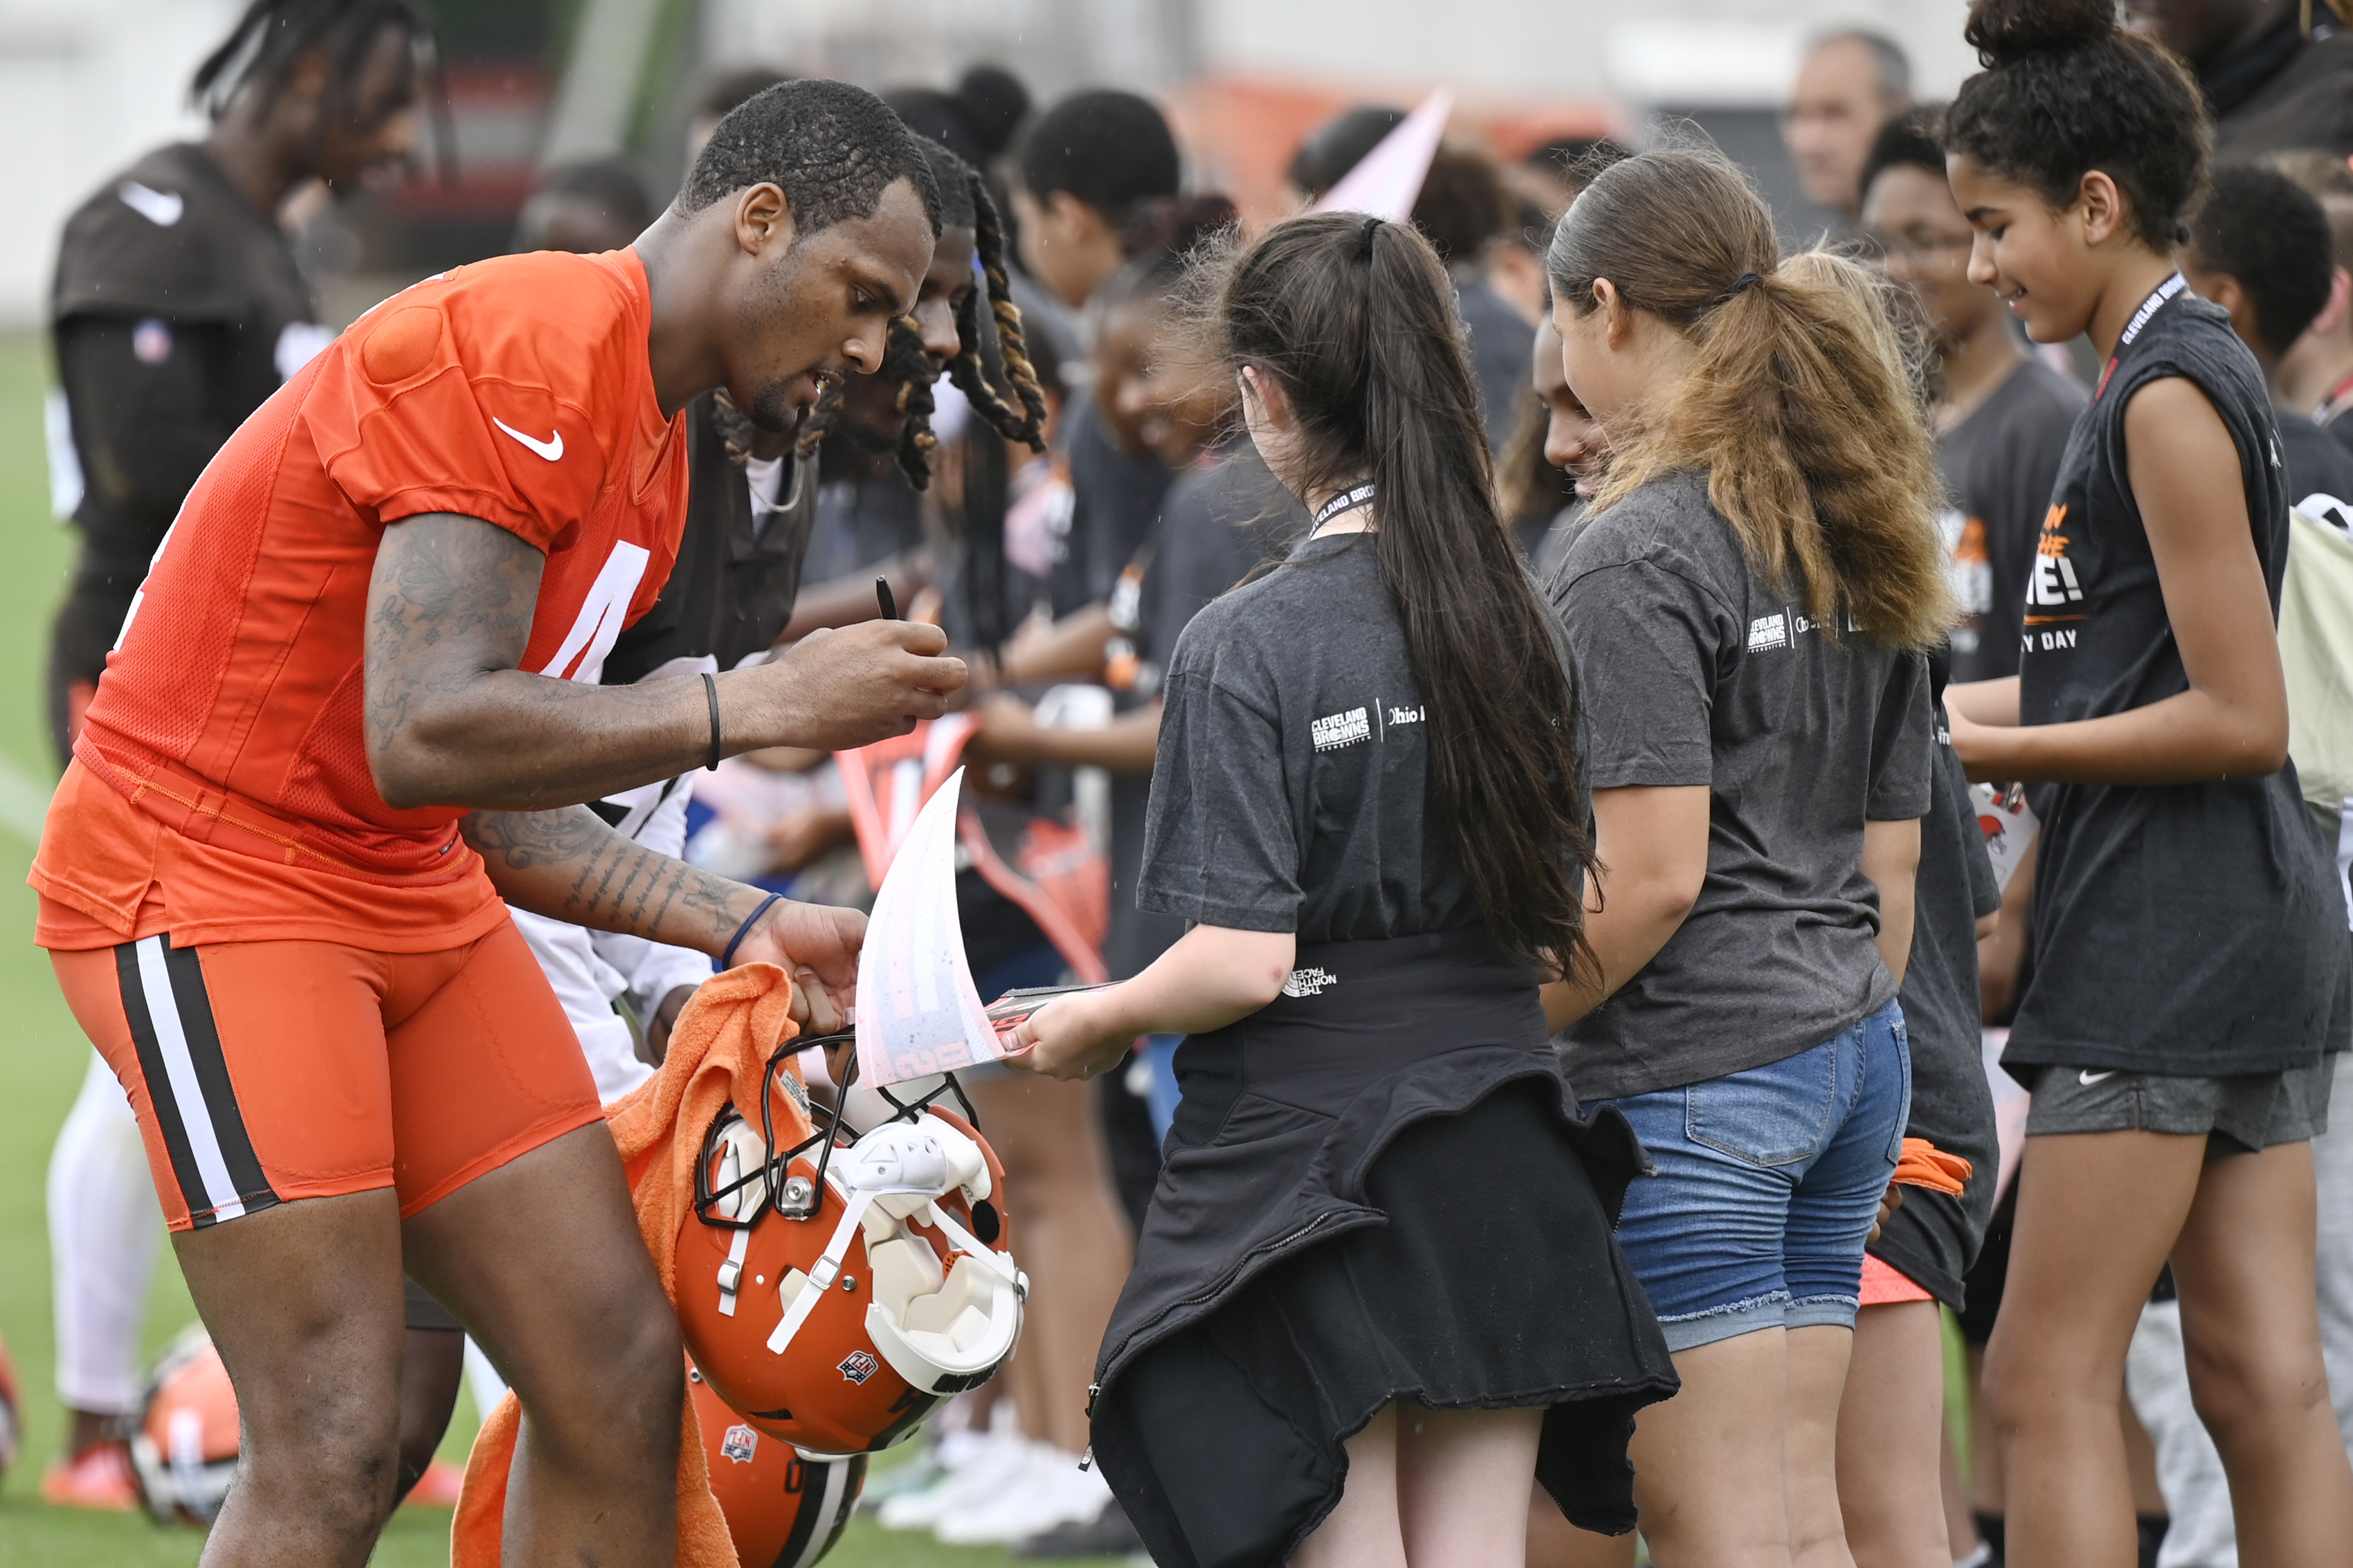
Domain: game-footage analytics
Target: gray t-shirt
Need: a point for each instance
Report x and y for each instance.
(1691, 671)
(1289, 792)
(1222, 520)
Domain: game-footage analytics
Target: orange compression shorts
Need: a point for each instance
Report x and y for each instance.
(1884, 1284)
(263, 1071)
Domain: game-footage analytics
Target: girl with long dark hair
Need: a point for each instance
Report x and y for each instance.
(2187, 946)
(1746, 607)
(1376, 1290)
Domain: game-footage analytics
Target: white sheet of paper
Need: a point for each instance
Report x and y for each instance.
(918, 1013)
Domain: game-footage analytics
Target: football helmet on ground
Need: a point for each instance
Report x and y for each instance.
(184, 1448)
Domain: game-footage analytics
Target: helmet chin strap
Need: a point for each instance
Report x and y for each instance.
(963, 1241)
(858, 1199)
(731, 1273)
(823, 1272)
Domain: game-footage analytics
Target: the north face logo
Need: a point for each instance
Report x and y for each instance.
(1308, 982)
(739, 1445)
(858, 1366)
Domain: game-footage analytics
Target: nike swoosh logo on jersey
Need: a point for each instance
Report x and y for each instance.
(2086, 1076)
(552, 448)
(162, 209)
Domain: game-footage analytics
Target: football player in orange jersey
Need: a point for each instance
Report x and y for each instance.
(350, 710)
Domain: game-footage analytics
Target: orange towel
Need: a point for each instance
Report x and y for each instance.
(1923, 1164)
(717, 1052)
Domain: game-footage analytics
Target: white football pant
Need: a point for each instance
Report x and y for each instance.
(105, 1227)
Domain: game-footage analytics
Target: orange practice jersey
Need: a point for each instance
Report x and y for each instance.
(221, 789)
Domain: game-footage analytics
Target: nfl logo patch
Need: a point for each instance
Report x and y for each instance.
(739, 1445)
(858, 1366)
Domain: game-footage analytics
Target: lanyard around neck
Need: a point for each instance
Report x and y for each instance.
(1346, 501)
(2140, 318)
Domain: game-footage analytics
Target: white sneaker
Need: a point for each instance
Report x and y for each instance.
(968, 1477)
(1051, 1492)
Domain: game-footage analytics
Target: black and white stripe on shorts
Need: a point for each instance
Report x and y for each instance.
(170, 1020)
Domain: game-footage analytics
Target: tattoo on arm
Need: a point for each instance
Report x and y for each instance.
(569, 865)
(449, 717)
(452, 598)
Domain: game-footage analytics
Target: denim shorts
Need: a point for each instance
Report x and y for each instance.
(1767, 1182)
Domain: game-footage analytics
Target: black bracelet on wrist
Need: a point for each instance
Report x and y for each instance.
(727, 957)
(711, 692)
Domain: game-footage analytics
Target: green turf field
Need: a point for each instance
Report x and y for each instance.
(43, 1057)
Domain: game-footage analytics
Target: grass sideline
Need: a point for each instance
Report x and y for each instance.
(42, 1059)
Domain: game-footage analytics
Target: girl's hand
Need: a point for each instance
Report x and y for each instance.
(1986, 750)
(1067, 1039)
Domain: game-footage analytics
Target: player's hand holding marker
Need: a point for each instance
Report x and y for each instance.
(836, 690)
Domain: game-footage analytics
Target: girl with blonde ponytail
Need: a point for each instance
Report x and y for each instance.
(1746, 609)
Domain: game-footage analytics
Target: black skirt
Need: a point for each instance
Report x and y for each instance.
(1431, 1225)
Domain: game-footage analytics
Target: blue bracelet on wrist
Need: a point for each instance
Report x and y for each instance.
(728, 957)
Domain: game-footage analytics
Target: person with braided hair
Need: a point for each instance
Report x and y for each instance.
(883, 422)
(177, 308)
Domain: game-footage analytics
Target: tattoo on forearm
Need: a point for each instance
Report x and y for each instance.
(568, 865)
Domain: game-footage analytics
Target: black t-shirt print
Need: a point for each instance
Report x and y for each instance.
(2187, 928)
(1999, 467)
(1692, 671)
(1290, 789)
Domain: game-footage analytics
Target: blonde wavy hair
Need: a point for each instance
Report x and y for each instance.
(1799, 402)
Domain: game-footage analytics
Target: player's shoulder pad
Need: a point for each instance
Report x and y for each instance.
(168, 237)
(570, 324)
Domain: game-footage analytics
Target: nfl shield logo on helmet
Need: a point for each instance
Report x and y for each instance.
(739, 1444)
(858, 1366)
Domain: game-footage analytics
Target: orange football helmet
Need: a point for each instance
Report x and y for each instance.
(184, 1449)
(785, 1508)
(837, 1291)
